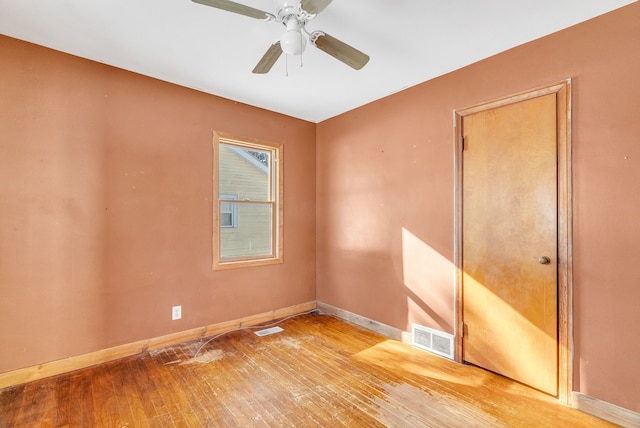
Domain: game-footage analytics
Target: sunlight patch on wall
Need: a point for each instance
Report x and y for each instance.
(429, 276)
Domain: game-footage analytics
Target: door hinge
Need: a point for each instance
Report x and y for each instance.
(465, 330)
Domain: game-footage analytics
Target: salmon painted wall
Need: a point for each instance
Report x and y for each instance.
(106, 210)
(385, 195)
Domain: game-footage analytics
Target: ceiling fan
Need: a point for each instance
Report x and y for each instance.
(294, 15)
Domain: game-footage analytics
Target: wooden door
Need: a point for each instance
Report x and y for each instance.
(510, 241)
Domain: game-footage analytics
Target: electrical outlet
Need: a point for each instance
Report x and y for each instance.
(176, 313)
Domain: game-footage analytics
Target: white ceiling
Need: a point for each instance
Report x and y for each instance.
(214, 51)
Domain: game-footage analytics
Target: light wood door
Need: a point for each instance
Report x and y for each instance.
(510, 241)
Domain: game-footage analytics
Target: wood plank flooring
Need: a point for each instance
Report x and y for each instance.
(318, 372)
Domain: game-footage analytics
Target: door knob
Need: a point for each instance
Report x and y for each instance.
(544, 260)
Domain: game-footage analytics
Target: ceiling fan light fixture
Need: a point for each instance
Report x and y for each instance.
(293, 42)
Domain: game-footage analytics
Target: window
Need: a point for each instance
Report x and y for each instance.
(248, 202)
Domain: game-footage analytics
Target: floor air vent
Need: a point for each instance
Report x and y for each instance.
(268, 331)
(431, 340)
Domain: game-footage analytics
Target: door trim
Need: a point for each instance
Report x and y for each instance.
(565, 263)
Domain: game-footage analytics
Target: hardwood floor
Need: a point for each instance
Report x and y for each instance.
(319, 371)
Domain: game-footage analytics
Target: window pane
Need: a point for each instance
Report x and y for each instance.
(252, 235)
(226, 219)
(244, 172)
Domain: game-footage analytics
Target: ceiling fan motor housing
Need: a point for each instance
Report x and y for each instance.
(287, 7)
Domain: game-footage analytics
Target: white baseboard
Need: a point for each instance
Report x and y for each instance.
(604, 410)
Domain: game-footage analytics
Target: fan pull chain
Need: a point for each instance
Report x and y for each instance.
(302, 41)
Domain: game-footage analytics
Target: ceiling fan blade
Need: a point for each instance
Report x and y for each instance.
(341, 51)
(268, 59)
(235, 8)
(314, 6)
